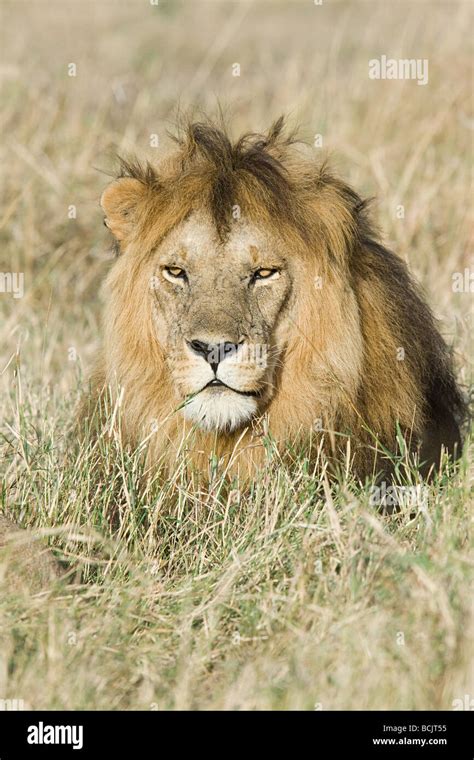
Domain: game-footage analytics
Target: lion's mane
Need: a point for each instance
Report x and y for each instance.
(363, 356)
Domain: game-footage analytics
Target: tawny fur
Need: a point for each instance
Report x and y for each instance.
(352, 306)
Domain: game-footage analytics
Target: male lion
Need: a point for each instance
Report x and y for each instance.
(251, 296)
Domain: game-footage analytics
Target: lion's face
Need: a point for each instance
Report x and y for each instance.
(220, 311)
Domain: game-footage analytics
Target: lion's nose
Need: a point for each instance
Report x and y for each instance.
(213, 353)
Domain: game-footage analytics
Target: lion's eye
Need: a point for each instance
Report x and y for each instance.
(265, 274)
(174, 273)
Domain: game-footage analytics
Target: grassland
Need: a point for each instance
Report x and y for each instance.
(295, 594)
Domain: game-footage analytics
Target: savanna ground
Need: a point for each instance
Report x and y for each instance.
(295, 594)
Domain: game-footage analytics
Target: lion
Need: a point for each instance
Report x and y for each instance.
(251, 297)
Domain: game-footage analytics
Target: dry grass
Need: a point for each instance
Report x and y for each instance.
(294, 595)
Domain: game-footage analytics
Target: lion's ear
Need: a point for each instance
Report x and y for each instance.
(120, 202)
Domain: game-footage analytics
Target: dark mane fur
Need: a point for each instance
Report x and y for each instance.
(254, 161)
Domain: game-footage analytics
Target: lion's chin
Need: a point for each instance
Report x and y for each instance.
(221, 412)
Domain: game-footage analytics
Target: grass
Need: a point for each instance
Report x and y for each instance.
(297, 593)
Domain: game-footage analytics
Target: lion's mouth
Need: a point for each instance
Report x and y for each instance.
(216, 383)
